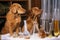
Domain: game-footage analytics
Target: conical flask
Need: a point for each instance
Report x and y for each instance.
(26, 33)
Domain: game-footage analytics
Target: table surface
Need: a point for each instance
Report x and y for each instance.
(32, 37)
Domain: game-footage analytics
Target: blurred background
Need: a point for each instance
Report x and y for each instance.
(51, 11)
(4, 8)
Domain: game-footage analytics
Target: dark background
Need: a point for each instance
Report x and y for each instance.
(4, 8)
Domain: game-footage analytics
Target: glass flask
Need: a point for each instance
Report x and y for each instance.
(46, 19)
(55, 17)
(26, 32)
(56, 22)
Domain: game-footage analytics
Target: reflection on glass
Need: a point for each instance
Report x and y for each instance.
(46, 14)
(56, 21)
(56, 27)
(26, 32)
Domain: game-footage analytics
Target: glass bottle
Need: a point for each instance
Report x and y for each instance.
(56, 22)
(56, 17)
(45, 15)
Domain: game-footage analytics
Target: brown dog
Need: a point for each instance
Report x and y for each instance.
(13, 19)
(32, 17)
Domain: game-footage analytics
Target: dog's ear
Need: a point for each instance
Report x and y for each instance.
(12, 8)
